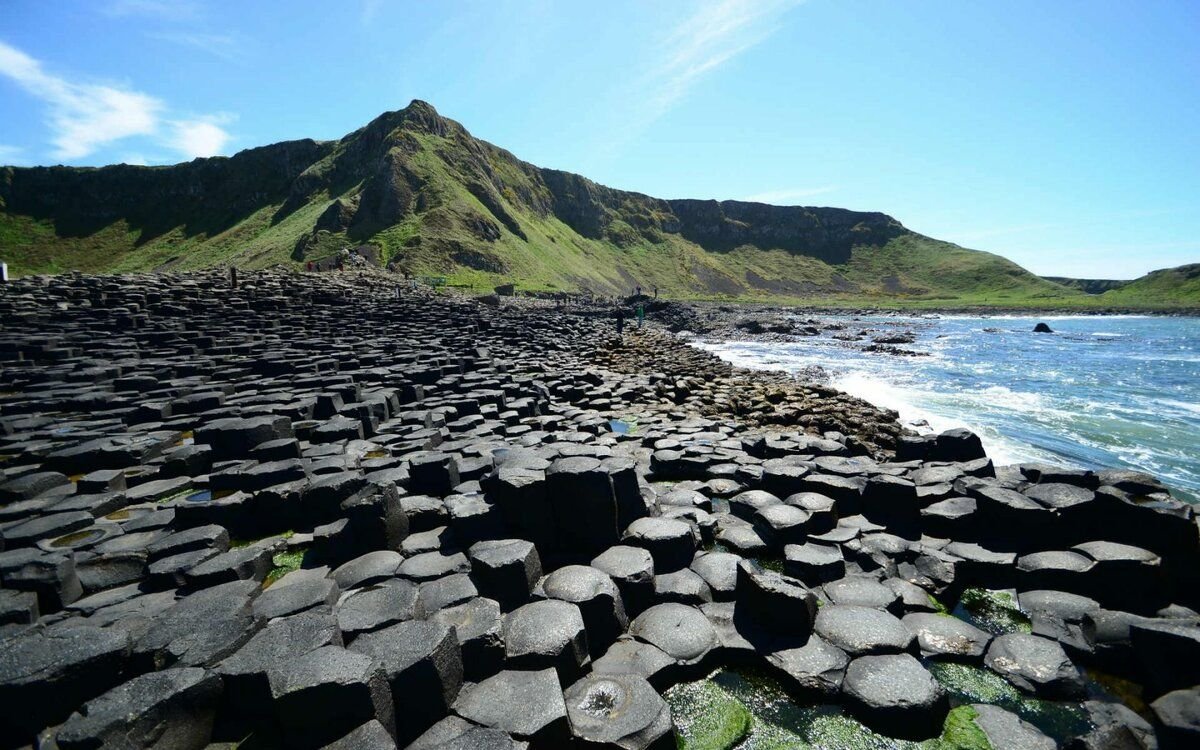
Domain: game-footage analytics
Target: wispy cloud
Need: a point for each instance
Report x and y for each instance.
(706, 40)
(166, 10)
(84, 117)
(710, 36)
(788, 195)
(224, 46)
(12, 155)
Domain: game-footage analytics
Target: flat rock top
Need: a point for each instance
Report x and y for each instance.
(520, 702)
(682, 632)
(893, 680)
(862, 630)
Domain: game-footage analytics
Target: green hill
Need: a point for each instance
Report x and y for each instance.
(1168, 287)
(430, 199)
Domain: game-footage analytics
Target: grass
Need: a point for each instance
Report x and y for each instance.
(472, 212)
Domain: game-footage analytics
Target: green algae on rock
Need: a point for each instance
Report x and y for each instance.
(707, 717)
(994, 611)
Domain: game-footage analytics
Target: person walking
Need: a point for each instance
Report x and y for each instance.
(620, 323)
(641, 314)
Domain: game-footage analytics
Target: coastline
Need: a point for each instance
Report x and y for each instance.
(266, 478)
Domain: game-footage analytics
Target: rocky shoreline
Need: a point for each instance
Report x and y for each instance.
(333, 510)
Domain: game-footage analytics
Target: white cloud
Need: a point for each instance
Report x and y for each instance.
(200, 137)
(788, 195)
(85, 117)
(706, 40)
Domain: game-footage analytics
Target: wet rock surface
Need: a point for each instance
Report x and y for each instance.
(318, 510)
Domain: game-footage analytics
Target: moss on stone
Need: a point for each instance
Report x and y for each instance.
(996, 612)
(707, 717)
(285, 562)
(969, 684)
(960, 732)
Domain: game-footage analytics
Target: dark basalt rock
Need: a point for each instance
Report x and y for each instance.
(774, 601)
(423, 664)
(173, 708)
(813, 671)
(618, 711)
(1007, 731)
(598, 600)
(324, 694)
(43, 675)
(862, 630)
(245, 674)
(896, 696)
(526, 704)
(671, 543)
(1178, 717)
(479, 627)
(548, 633)
(505, 570)
(947, 637)
(360, 505)
(1036, 665)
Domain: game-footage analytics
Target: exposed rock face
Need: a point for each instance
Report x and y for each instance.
(415, 168)
(320, 511)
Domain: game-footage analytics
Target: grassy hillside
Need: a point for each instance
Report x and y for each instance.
(1169, 287)
(433, 200)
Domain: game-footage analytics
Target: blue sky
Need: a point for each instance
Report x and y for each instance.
(1064, 135)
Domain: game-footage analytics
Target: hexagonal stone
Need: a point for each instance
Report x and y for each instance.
(1007, 731)
(548, 633)
(774, 601)
(619, 711)
(46, 674)
(813, 671)
(862, 630)
(1036, 665)
(598, 599)
(814, 563)
(671, 543)
(423, 665)
(861, 591)
(744, 505)
(505, 570)
(894, 695)
(372, 567)
(719, 570)
(378, 606)
(430, 565)
(478, 624)
(173, 708)
(246, 672)
(630, 656)
(527, 704)
(202, 628)
(288, 597)
(632, 569)
(945, 637)
(1178, 717)
(326, 693)
(681, 632)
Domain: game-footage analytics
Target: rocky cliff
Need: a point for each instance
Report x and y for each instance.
(432, 199)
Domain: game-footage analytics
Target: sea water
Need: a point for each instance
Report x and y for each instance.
(1099, 392)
